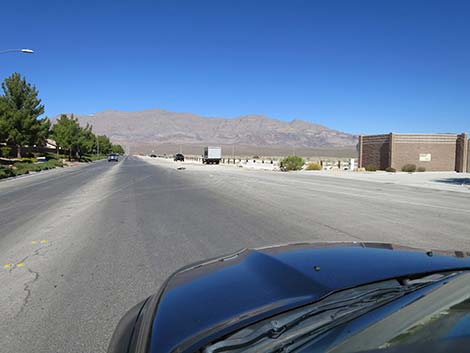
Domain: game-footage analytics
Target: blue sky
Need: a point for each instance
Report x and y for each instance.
(356, 66)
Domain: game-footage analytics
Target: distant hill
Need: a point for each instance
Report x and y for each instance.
(156, 126)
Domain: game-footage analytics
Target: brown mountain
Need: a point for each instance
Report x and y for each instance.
(158, 126)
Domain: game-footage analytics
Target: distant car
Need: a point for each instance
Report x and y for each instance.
(308, 298)
(113, 157)
(179, 157)
(153, 155)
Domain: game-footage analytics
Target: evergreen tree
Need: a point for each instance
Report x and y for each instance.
(117, 149)
(20, 108)
(105, 145)
(66, 133)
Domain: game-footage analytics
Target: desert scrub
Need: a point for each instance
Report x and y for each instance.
(292, 163)
(313, 166)
(409, 168)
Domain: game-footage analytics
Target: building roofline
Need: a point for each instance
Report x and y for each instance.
(417, 134)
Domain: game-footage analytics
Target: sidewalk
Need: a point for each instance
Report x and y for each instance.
(449, 181)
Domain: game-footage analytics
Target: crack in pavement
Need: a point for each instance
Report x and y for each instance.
(34, 253)
(27, 285)
(27, 289)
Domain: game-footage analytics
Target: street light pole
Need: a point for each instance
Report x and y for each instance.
(24, 51)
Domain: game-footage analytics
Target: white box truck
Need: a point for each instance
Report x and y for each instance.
(212, 155)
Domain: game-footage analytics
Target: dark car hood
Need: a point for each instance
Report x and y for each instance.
(205, 301)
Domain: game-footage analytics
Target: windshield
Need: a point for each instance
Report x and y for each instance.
(324, 143)
(299, 330)
(440, 315)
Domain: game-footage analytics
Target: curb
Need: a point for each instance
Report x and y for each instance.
(32, 174)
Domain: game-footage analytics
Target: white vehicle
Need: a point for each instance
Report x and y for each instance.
(212, 155)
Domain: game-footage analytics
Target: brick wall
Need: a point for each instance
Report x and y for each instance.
(375, 151)
(468, 156)
(441, 149)
(461, 153)
(435, 152)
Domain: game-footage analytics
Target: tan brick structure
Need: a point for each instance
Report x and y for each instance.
(468, 156)
(435, 152)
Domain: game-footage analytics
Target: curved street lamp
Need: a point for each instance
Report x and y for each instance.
(25, 51)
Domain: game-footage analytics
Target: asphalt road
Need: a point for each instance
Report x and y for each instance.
(87, 243)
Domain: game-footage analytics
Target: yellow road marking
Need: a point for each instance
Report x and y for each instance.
(21, 264)
(7, 265)
(43, 241)
(34, 242)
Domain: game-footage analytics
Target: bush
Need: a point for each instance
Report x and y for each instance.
(96, 157)
(56, 163)
(6, 172)
(371, 168)
(313, 166)
(421, 169)
(409, 168)
(292, 163)
(390, 170)
(5, 151)
(21, 168)
(28, 160)
(26, 166)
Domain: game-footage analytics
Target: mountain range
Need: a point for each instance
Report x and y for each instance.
(157, 126)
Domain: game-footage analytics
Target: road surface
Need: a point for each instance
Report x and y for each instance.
(85, 244)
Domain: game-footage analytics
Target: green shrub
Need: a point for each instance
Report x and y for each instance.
(24, 168)
(409, 168)
(292, 163)
(94, 157)
(54, 163)
(53, 155)
(390, 170)
(5, 151)
(421, 169)
(21, 168)
(371, 168)
(6, 172)
(28, 160)
(313, 166)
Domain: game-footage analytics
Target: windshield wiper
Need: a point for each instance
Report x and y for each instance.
(336, 313)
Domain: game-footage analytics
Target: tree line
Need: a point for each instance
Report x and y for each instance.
(20, 125)
(79, 141)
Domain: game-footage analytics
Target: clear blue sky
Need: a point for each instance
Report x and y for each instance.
(357, 66)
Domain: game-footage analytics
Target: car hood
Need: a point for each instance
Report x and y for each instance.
(205, 301)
